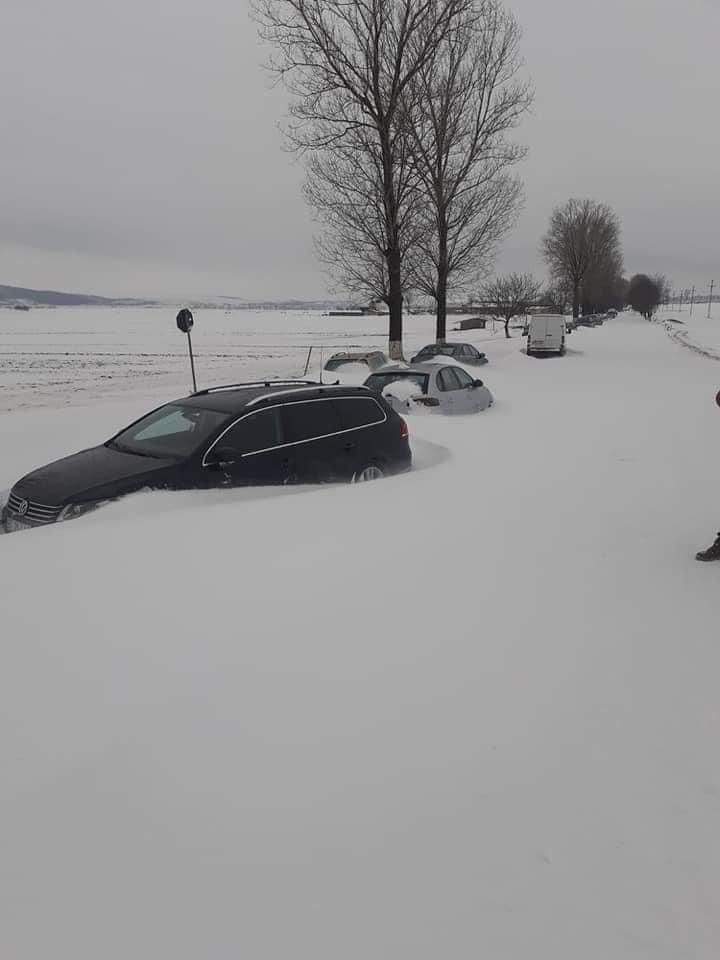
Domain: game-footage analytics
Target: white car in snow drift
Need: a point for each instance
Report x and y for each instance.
(437, 386)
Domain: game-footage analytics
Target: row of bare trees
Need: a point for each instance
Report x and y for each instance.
(403, 110)
(582, 251)
(583, 254)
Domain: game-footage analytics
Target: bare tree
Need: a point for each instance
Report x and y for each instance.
(512, 296)
(644, 295)
(348, 66)
(583, 236)
(464, 101)
(664, 286)
(556, 297)
(344, 185)
(603, 286)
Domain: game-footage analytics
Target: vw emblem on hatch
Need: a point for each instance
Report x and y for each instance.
(22, 508)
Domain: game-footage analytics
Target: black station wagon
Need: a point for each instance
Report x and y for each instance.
(274, 432)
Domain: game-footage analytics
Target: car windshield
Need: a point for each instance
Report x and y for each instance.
(379, 381)
(173, 431)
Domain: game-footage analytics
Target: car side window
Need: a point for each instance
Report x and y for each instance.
(447, 380)
(358, 412)
(464, 377)
(309, 420)
(258, 431)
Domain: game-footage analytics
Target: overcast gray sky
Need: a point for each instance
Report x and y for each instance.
(140, 153)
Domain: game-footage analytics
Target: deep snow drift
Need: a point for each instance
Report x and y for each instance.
(468, 712)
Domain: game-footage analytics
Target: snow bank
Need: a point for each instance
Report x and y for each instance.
(467, 712)
(444, 360)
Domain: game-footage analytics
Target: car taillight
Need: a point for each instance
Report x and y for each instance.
(404, 432)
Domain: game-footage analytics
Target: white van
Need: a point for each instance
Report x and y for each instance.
(546, 334)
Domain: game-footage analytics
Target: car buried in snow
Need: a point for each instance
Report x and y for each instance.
(437, 387)
(371, 358)
(462, 352)
(270, 432)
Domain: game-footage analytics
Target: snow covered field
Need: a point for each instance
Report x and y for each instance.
(468, 712)
(61, 357)
(696, 330)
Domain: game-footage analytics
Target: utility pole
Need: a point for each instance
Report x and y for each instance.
(681, 300)
(712, 287)
(692, 300)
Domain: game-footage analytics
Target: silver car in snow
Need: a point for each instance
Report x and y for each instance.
(437, 386)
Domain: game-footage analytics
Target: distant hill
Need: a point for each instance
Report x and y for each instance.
(22, 296)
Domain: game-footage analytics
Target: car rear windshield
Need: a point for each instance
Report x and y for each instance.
(441, 349)
(173, 431)
(379, 381)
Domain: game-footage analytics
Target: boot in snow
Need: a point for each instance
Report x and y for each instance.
(712, 553)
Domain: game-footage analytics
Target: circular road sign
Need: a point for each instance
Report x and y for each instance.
(185, 321)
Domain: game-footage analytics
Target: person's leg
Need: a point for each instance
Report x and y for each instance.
(712, 552)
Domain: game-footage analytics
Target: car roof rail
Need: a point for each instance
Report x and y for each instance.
(255, 383)
(320, 388)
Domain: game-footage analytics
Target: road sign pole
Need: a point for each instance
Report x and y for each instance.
(185, 322)
(192, 362)
(307, 362)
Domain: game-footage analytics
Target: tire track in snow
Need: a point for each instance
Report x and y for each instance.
(682, 337)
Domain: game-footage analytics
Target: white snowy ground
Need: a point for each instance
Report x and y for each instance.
(469, 712)
(695, 330)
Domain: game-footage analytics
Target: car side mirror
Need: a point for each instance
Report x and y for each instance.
(222, 457)
(475, 384)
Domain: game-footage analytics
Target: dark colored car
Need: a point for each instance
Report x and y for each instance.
(262, 433)
(462, 352)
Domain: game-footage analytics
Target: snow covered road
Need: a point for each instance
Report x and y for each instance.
(468, 712)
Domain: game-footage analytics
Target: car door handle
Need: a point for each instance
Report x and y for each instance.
(350, 446)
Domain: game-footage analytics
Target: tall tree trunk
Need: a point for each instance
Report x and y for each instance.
(507, 328)
(392, 252)
(576, 299)
(442, 288)
(441, 314)
(395, 303)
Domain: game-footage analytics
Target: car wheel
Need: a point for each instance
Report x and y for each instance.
(370, 472)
